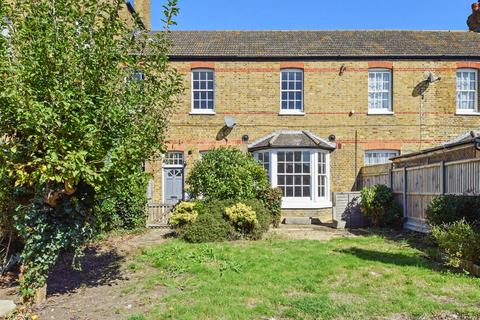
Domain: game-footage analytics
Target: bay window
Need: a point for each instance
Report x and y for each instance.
(303, 175)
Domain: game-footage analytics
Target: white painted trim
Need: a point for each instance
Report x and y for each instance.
(292, 112)
(201, 111)
(462, 111)
(314, 201)
(384, 111)
(380, 112)
(467, 113)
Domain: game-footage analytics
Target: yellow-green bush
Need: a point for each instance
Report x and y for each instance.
(185, 213)
(242, 216)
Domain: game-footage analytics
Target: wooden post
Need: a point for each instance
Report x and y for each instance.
(405, 189)
(442, 177)
(390, 176)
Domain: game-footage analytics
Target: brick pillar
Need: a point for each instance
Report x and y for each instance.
(143, 8)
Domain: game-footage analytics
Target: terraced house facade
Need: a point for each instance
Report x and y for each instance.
(315, 106)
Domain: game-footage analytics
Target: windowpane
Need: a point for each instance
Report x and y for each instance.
(173, 158)
(203, 89)
(373, 157)
(467, 90)
(263, 158)
(379, 90)
(292, 90)
(293, 179)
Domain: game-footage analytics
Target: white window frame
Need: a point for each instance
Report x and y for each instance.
(388, 110)
(261, 162)
(475, 110)
(292, 111)
(397, 153)
(314, 201)
(202, 111)
(175, 165)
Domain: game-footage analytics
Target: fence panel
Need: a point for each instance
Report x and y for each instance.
(463, 177)
(425, 182)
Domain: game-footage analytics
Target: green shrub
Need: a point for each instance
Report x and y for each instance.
(243, 218)
(210, 226)
(124, 203)
(226, 174)
(263, 217)
(272, 200)
(459, 241)
(379, 205)
(447, 209)
(184, 213)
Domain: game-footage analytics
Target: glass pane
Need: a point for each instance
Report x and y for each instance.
(210, 75)
(281, 156)
(289, 156)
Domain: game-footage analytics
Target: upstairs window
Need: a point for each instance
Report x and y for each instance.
(467, 96)
(202, 91)
(379, 91)
(291, 91)
(373, 157)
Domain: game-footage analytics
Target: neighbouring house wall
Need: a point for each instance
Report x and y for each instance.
(250, 92)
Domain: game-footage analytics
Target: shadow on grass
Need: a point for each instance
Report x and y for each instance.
(390, 258)
(98, 269)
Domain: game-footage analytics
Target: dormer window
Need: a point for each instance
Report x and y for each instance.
(467, 91)
(203, 99)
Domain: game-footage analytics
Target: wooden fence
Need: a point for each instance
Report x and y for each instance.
(158, 214)
(423, 183)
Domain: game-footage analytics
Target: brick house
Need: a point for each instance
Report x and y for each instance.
(315, 106)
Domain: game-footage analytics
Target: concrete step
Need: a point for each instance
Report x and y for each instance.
(6, 307)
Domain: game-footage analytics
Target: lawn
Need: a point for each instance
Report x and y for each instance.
(345, 278)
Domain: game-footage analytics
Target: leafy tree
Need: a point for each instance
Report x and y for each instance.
(227, 173)
(84, 100)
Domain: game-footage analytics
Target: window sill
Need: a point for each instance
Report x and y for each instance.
(467, 113)
(204, 113)
(380, 113)
(291, 113)
(298, 203)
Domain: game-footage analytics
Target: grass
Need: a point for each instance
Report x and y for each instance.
(346, 278)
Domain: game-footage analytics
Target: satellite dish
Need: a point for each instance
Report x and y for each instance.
(229, 122)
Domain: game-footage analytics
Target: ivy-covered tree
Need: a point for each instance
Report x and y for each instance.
(84, 100)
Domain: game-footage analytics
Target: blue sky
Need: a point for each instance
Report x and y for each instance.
(317, 14)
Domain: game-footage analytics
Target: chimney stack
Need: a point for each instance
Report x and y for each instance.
(143, 9)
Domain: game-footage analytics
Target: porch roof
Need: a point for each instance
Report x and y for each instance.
(291, 139)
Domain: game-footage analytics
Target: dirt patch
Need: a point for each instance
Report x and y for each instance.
(308, 232)
(103, 289)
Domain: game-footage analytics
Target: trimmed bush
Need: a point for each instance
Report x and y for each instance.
(184, 213)
(459, 241)
(227, 174)
(212, 224)
(263, 217)
(447, 209)
(243, 218)
(272, 200)
(379, 206)
(208, 227)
